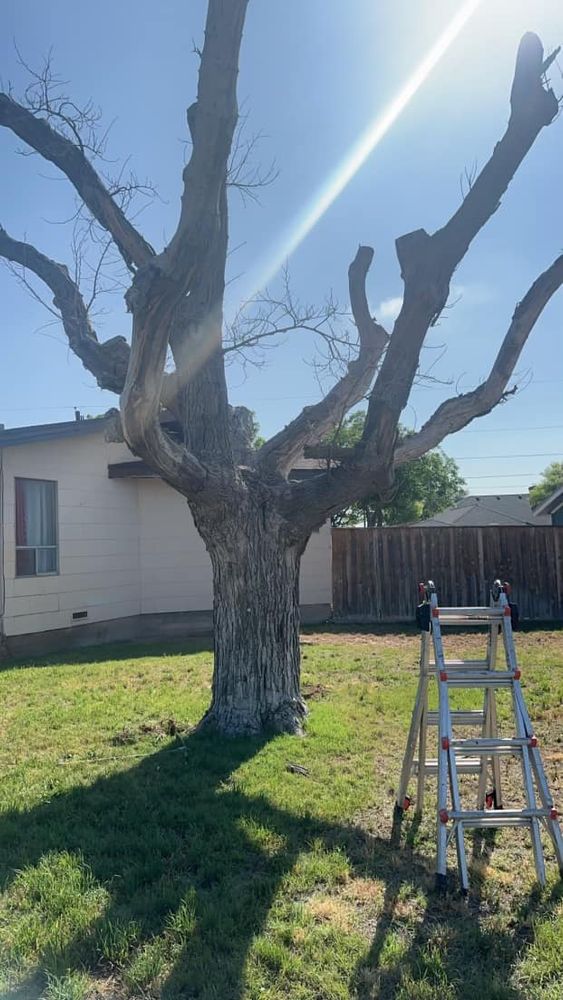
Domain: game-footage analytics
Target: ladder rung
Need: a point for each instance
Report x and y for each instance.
(461, 664)
(470, 620)
(493, 822)
(490, 678)
(489, 747)
(471, 765)
(485, 613)
(497, 817)
(459, 718)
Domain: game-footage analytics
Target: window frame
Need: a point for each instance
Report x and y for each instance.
(35, 548)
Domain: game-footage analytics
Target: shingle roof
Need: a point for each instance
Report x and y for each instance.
(47, 432)
(552, 503)
(510, 508)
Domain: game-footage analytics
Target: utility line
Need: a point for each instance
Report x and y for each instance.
(484, 458)
(507, 475)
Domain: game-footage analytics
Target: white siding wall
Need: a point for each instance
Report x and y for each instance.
(175, 567)
(315, 585)
(126, 546)
(98, 537)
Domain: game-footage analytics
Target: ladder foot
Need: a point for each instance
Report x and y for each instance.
(441, 882)
(398, 813)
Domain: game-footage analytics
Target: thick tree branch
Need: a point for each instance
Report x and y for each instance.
(310, 502)
(140, 402)
(106, 361)
(457, 412)
(70, 159)
(212, 121)
(314, 422)
(428, 262)
(191, 270)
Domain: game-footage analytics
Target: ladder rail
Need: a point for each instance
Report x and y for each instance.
(529, 791)
(415, 729)
(423, 732)
(444, 732)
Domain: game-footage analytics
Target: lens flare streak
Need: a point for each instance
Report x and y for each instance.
(363, 147)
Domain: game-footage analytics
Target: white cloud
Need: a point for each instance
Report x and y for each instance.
(469, 295)
(389, 308)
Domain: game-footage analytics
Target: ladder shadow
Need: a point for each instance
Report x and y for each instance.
(482, 849)
(450, 933)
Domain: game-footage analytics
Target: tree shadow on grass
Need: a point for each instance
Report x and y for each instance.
(191, 866)
(455, 948)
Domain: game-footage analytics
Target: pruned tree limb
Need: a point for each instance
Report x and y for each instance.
(212, 121)
(314, 422)
(459, 411)
(192, 266)
(428, 262)
(106, 361)
(70, 159)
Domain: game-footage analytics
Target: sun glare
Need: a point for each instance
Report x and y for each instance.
(366, 143)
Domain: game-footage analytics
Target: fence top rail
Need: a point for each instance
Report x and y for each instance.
(438, 528)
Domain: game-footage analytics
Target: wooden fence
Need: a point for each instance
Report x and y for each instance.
(375, 570)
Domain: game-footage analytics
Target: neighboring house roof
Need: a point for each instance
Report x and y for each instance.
(551, 504)
(510, 508)
(47, 432)
(305, 468)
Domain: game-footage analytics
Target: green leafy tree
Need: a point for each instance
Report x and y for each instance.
(551, 479)
(422, 488)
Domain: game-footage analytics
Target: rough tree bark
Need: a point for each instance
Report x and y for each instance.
(256, 617)
(255, 518)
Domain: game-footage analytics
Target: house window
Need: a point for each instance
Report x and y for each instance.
(36, 527)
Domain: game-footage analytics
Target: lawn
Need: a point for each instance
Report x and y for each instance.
(139, 859)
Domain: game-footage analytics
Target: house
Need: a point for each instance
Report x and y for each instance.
(94, 547)
(552, 507)
(476, 511)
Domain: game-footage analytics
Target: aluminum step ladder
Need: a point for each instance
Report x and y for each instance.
(479, 754)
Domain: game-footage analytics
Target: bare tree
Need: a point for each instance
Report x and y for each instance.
(254, 518)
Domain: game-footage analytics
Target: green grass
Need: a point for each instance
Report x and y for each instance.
(139, 860)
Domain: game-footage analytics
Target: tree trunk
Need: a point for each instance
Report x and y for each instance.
(256, 622)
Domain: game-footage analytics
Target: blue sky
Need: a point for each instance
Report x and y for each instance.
(314, 73)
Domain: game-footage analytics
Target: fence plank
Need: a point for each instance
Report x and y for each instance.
(375, 570)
